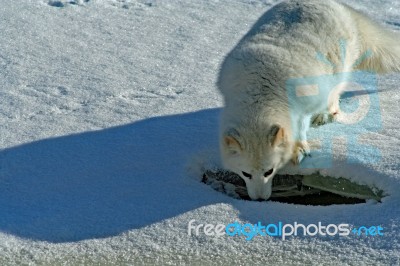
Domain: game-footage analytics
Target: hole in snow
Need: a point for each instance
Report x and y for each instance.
(56, 3)
(297, 189)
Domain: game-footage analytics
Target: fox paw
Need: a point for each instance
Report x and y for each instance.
(301, 150)
(322, 119)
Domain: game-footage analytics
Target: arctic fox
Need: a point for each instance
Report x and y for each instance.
(257, 137)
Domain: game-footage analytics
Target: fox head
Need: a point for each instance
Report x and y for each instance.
(256, 156)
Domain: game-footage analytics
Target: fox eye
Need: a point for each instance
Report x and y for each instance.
(268, 172)
(247, 175)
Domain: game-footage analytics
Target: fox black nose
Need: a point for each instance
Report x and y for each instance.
(257, 198)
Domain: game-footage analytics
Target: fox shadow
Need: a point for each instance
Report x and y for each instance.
(106, 182)
(102, 183)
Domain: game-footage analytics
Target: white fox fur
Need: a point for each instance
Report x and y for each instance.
(256, 135)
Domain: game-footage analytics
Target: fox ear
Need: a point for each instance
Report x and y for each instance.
(231, 141)
(277, 135)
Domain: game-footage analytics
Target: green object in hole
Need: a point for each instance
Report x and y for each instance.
(342, 186)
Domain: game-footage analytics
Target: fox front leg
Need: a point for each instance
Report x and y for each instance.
(300, 151)
(301, 148)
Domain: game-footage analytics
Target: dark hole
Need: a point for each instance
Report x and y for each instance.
(323, 198)
(285, 189)
(56, 3)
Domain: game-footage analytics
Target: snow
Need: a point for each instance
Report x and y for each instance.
(109, 113)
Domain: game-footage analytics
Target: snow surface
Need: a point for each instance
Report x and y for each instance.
(109, 113)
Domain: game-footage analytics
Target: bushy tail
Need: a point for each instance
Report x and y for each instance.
(383, 44)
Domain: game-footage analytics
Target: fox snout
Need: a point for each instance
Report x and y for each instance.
(260, 188)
